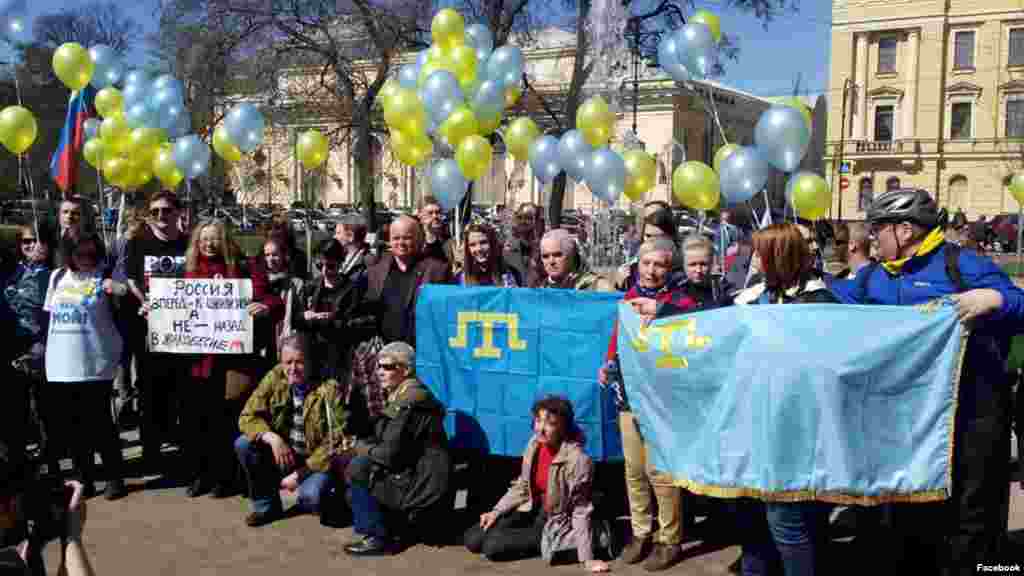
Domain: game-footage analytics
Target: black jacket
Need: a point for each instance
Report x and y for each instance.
(408, 462)
(330, 341)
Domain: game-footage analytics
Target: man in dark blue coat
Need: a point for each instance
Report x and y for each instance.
(917, 265)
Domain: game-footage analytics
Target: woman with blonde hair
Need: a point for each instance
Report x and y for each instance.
(218, 392)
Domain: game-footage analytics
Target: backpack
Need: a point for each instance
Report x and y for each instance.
(952, 271)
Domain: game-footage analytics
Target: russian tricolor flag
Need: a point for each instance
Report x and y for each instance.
(64, 163)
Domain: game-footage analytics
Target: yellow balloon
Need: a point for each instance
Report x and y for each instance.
(117, 171)
(809, 194)
(93, 152)
(311, 149)
(437, 53)
(463, 60)
(73, 65)
(1017, 187)
(405, 112)
(461, 124)
(145, 138)
(165, 169)
(411, 149)
(116, 134)
(695, 184)
(224, 147)
(596, 121)
(387, 92)
(724, 153)
(109, 102)
(474, 156)
(448, 28)
(489, 122)
(518, 137)
(641, 173)
(18, 129)
(512, 95)
(711, 21)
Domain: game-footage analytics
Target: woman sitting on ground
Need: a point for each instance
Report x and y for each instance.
(484, 264)
(547, 509)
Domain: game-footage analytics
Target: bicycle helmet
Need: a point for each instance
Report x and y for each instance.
(905, 205)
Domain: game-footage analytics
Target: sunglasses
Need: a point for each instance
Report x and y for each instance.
(28, 241)
(387, 366)
(157, 212)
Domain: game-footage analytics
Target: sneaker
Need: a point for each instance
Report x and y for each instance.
(115, 490)
(636, 550)
(257, 519)
(663, 557)
(370, 546)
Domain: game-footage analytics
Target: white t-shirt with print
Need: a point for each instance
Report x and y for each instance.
(83, 343)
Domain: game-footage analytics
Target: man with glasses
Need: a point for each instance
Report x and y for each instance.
(436, 244)
(157, 252)
(916, 265)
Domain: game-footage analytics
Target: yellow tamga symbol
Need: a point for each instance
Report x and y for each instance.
(665, 331)
(487, 320)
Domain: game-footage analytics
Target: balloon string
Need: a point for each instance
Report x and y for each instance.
(714, 111)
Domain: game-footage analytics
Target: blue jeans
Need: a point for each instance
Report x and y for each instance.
(793, 534)
(265, 478)
(367, 515)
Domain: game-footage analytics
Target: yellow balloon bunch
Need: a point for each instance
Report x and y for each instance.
(641, 173)
(109, 102)
(311, 149)
(519, 135)
(596, 121)
(474, 156)
(223, 146)
(165, 169)
(144, 143)
(1016, 187)
(461, 124)
(448, 29)
(73, 65)
(695, 184)
(18, 129)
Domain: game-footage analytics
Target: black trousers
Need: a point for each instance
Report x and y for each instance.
(161, 379)
(14, 417)
(211, 426)
(514, 536)
(78, 419)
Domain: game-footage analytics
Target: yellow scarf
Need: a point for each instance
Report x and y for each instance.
(932, 241)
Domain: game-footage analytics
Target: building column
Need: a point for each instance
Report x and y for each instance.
(908, 107)
(860, 96)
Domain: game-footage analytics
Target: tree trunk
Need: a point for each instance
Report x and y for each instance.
(557, 199)
(364, 169)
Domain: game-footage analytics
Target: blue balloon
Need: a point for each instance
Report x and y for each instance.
(668, 59)
(92, 128)
(506, 66)
(441, 94)
(782, 137)
(173, 119)
(421, 60)
(107, 69)
(160, 98)
(191, 155)
(696, 48)
(574, 154)
(135, 77)
(163, 81)
(743, 174)
(136, 93)
(544, 158)
(606, 175)
(14, 24)
(244, 125)
(447, 183)
(490, 97)
(408, 76)
(140, 115)
(480, 38)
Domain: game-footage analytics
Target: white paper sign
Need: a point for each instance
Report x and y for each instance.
(200, 316)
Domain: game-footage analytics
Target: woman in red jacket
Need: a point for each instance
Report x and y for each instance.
(211, 407)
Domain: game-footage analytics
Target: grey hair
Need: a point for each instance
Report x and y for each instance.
(697, 242)
(295, 341)
(564, 239)
(400, 352)
(660, 244)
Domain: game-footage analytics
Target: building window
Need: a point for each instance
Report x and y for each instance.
(893, 183)
(1015, 117)
(958, 191)
(884, 123)
(866, 194)
(960, 121)
(963, 50)
(1016, 47)
(887, 55)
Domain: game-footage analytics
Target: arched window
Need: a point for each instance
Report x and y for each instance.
(865, 194)
(893, 183)
(958, 191)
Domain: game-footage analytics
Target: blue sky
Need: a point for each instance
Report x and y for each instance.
(769, 61)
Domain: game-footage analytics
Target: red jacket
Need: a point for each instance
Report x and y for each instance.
(676, 296)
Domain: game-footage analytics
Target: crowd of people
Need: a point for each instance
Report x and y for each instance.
(328, 406)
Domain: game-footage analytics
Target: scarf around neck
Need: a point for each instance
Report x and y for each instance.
(931, 242)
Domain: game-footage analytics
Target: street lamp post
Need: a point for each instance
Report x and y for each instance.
(847, 84)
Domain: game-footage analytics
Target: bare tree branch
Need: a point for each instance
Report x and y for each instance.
(88, 24)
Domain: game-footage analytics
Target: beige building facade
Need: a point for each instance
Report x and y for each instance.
(929, 94)
(671, 122)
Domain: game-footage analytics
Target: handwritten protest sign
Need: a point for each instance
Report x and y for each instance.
(200, 316)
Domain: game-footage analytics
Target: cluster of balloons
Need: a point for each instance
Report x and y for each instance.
(455, 93)
(690, 51)
(584, 154)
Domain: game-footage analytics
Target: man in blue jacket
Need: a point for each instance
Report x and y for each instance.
(917, 265)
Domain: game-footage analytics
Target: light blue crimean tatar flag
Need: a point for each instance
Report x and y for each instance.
(844, 404)
(489, 353)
